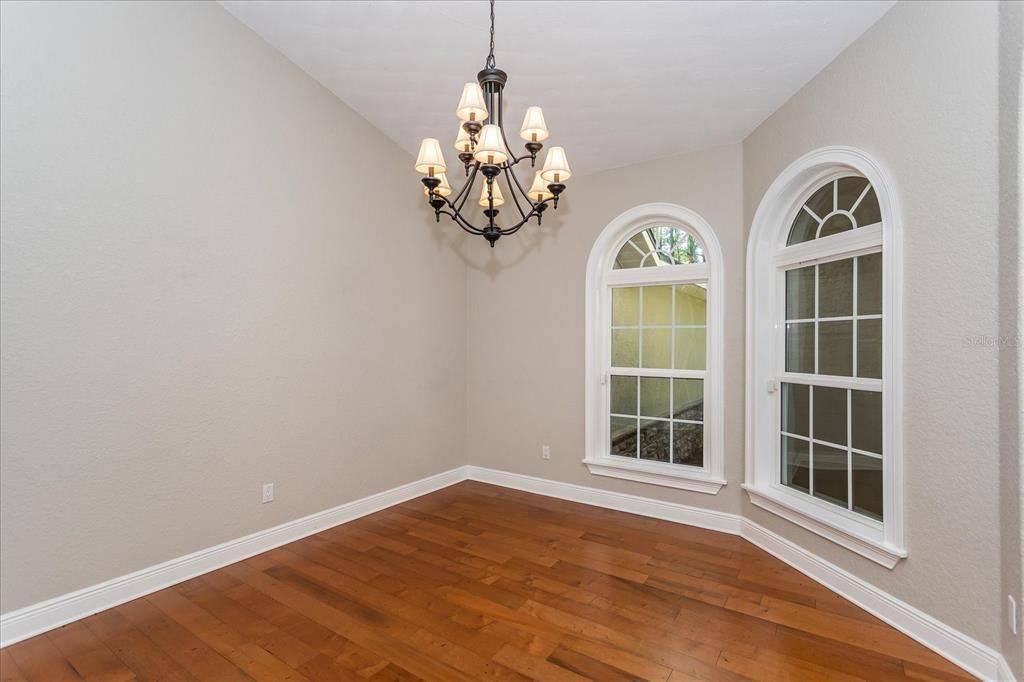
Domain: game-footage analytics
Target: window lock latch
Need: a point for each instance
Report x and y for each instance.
(604, 379)
(773, 385)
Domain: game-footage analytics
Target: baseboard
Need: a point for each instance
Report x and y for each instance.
(951, 644)
(644, 506)
(969, 654)
(52, 613)
(962, 650)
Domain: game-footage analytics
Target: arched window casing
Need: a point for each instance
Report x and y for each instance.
(654, 350)
(824, 337)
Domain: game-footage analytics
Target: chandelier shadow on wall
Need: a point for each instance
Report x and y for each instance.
(484, 152)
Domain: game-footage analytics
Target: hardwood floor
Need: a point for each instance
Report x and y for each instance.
(477, 582)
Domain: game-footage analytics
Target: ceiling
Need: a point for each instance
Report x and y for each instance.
(620, 82)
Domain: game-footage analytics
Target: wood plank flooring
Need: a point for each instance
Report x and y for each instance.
(477, 582)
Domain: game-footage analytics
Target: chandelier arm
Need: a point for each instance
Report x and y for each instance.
(513, 159)
(512, 190)
(464, 190)
(458, 219)
(512, 230)
(518, 226)
(462, 223)
(464, 194)
(525, 194)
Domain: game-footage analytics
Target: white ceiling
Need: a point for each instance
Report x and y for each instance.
(620, 82)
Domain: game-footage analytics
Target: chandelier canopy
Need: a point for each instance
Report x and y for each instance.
(484, 152)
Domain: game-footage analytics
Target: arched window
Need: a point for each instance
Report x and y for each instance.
(823, 353)
(654, 321)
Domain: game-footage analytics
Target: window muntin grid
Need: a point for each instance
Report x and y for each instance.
(830, 445)
(657, 372)
(837, 206)
(833, 329)
(659, 245)
(833, 318)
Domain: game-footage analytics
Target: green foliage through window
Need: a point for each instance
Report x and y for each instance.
(659, 245)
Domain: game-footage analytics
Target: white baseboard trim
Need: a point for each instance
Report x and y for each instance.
(962, 650)
(644, 506)
(52, 613)
(955, 646)
(969, 654)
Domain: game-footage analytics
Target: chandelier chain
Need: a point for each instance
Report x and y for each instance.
(490, 55)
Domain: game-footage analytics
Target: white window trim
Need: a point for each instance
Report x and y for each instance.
(881, 542)
(600, 278)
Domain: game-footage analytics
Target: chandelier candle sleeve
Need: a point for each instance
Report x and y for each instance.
(496, 196)
(471, 105)
(556, 166)
(490, 150)
(534, 129)
(430, 160)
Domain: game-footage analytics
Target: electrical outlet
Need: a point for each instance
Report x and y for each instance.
(268, 492)
(1013, 613)
(545, 452)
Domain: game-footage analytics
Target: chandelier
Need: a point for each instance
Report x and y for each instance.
(484, 152)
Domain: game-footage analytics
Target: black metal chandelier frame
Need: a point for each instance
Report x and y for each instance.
(492, 81)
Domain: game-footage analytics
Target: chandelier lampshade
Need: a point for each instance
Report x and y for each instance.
(471, 105)
(490, 150)
(556, 166)
(539, 189)
(534, 129)
(496, 196)
(443, 189)
(485, 156)
(430, 161)
(463, 143)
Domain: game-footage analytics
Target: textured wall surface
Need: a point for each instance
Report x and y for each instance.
(208, 283)
(525, 322)
(1011, 288)
(918, 92)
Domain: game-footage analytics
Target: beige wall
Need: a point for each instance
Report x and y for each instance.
(208, 283)
(525, 322)
(919, 93)
(1011, 286)
(191, 226)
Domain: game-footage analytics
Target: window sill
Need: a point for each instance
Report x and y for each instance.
(864, 538)
(655, 473)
